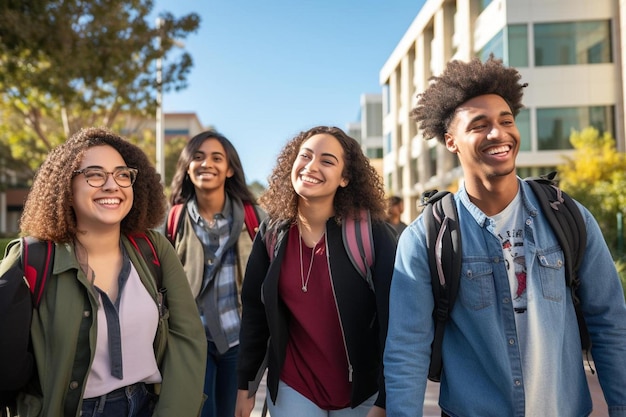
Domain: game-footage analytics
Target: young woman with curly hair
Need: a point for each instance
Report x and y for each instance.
(213, 242)
(322, 325)
(101, 336)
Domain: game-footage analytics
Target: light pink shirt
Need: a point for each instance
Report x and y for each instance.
(139, 316)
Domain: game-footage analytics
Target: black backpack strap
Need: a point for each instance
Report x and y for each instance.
(569, 227)
(443, 242)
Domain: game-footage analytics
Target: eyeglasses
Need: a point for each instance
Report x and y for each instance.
(97, 177)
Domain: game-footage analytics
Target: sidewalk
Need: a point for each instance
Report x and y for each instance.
(431, 408)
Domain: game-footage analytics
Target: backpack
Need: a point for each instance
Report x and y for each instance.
(251, 219)
(443, 240)
(37, 257)
(18, 303)
(358, 241)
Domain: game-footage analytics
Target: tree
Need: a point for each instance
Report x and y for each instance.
(67, 64)
(596, 177)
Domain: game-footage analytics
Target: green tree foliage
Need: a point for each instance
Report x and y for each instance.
(67, 64)
(596, 177)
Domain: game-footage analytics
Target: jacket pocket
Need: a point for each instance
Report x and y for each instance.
(476, 289)
(550, 265)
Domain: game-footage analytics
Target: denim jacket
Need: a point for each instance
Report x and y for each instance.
(483, 373)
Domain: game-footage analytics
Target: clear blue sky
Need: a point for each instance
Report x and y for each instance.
(266, 70)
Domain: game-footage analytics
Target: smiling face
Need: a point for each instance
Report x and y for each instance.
(318, 169)
(100, 207)
(209, 167)
(484, 135)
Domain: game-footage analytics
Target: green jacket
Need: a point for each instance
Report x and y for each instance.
(63, 334)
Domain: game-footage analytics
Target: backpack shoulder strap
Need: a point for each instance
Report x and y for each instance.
(569, 227)
(37, 258)
(443, 240)
(142, 244)
(359, 243)
(173, 220)
(251, 218)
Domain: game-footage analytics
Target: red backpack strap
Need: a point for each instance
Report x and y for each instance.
(359, 243)
(173, 218)
(37, 259)
(250, 218)
(142, 244)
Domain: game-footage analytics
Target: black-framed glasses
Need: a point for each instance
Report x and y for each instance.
(97, 177)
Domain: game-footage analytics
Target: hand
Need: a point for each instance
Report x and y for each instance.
(376, 411)
(244, 405)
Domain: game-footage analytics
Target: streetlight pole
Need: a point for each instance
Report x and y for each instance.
(160, 140)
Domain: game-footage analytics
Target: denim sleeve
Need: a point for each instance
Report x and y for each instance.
(602, 299)
(410, 333)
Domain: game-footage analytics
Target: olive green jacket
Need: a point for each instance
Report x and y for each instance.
(63, 335)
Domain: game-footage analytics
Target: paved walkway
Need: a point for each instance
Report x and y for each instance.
(431, 409)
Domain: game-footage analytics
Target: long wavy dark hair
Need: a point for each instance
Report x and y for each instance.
(48, 212)
(364, 190)
(235, 186)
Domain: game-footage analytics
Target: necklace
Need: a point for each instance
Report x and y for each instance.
(305, 283)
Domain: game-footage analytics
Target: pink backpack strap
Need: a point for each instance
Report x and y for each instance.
(359, 243)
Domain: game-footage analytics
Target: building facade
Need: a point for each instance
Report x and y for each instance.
(368, 129)
(568, 51)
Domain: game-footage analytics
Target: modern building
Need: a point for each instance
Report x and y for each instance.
(368, 129)
(174, 125)
(568, 51)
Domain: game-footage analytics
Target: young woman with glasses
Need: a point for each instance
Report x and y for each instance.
(102, 341)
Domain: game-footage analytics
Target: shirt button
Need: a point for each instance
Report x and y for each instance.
(86, 313)
(496, 260)
(73, 385)
(511, 341)
(209, 262)
(517, 382)
(506, 300)
(529, 222)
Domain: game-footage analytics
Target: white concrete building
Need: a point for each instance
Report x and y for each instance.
(568, 51)
(368, 129)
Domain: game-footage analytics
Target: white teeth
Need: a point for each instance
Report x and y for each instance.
(310, 179)
(499, 149)
(107, 201)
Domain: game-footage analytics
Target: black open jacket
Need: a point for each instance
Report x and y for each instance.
(363, 313)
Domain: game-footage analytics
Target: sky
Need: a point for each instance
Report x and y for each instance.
(265, 70)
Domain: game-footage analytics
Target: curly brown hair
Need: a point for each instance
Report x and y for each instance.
(235, 186)
(460, 82)
(364, 190)
(48, 213)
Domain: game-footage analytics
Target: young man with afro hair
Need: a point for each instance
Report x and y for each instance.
(511, 346)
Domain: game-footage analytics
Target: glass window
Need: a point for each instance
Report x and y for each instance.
(572, 43)
(523, 125)
(432, 159)
(388, 143)
(374, 153)
(517, 47)
(513, 52)
(415, 176)
(484, 4)
(555, 125)
(494, 46)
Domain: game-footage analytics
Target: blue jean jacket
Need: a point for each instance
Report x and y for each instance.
(483, 374)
